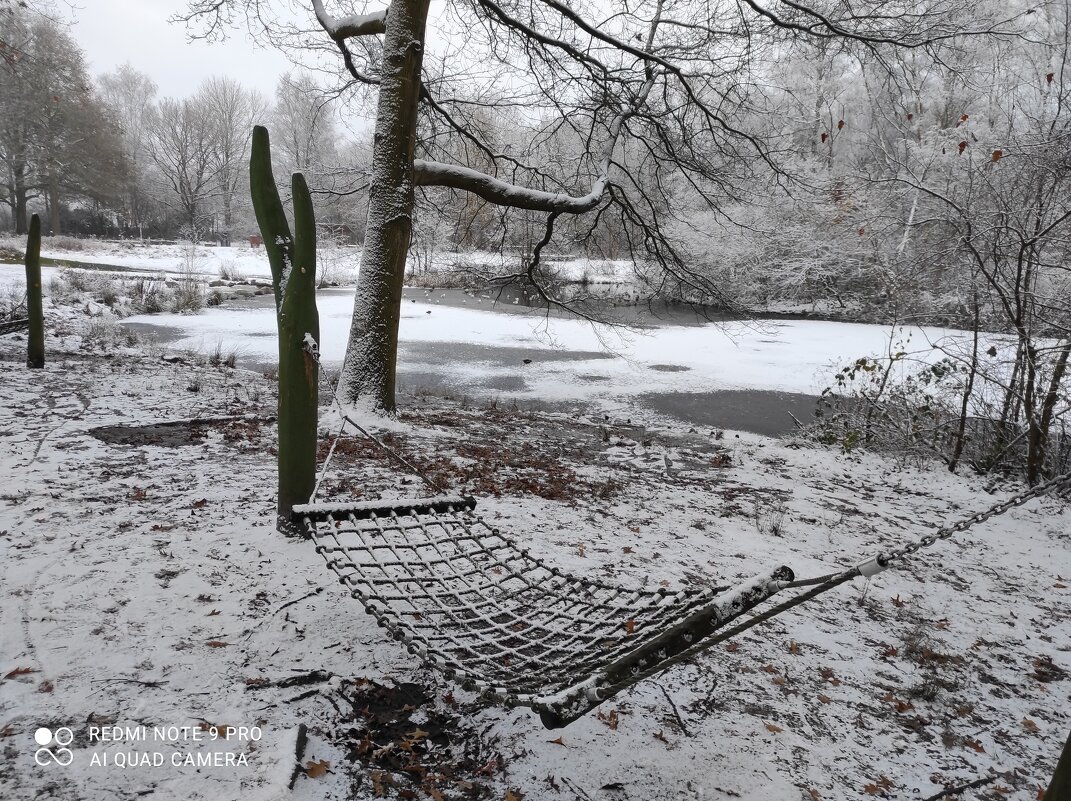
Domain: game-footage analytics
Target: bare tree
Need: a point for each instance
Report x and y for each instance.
(182, 145)
(305, 125)
(681, 83)
(130, 96)
(232, 111)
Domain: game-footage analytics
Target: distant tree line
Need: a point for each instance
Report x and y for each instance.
(111, 158)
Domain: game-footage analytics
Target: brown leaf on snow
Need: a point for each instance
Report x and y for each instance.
(793, 647)
(558, 741)
(213, 613)
(630, 627)
(825, 699)
(611, 720)
(514, 795)
(314, 770)
(897, 602)
(660, 735)
(732, 647)
(1030, 725)
(14, 674)
(769, 669)
(974, 745)
(889, 652)
(200, 504)
(774, 728)
(830, 676)
(875, 788)
(217, 644)
(45, 687)
(814, 794)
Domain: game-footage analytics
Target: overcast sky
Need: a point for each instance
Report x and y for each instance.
(112, 32)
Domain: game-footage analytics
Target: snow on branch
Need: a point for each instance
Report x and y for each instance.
(502, 193)
(352, 25)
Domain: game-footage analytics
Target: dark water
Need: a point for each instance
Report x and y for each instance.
(757, 411)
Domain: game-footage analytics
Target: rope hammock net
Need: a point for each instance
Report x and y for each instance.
(474, 605)
(489, 615)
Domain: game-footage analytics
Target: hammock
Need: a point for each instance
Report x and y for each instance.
(474, 605)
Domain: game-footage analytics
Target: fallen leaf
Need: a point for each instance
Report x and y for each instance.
(974, 745)
(889, 652)
(611, 720)
(514, 795)
(558, 741)
(660, 735)
(897, 602)
(825, 699)
(997, 154)
(217, 644)
(314, 770)
(769, 669)
(19, 672)
(45, 687)
(213, 613)
(814, 794)
(732, 647)
(200, 504)
(1030, 725)
(774, 728)
(1060, 586)
(793, 647)
(630, 627)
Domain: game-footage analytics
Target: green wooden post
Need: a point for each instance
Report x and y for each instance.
(293, 271)
(35, 348)
(1060, 786)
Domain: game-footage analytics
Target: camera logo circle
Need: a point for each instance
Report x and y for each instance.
(62, 737)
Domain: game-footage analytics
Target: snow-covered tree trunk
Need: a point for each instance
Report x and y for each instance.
(370, 366)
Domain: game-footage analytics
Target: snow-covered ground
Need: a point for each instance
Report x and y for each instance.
(142, 584)
(244, 260)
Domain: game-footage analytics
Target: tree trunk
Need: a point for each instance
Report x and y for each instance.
(21, 221)
(371, 355)
(35, 345)
(1060, 786)
(53, 207)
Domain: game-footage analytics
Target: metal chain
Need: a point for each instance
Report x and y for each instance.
(943, 533)
(313, 349)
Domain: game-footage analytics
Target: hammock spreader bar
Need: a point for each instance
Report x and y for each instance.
(474, 605)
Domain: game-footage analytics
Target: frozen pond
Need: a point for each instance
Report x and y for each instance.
(725, 374)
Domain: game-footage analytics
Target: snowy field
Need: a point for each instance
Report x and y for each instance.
(143, 584)
(246, 261)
